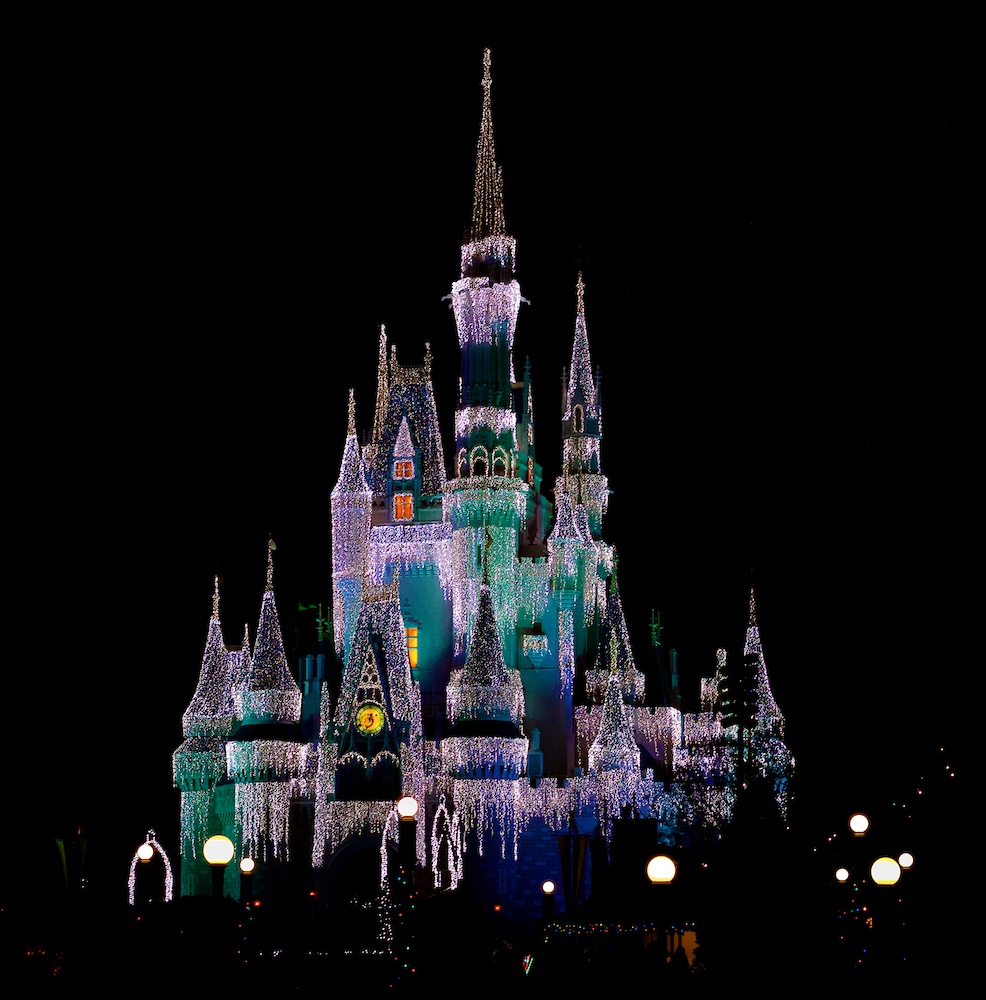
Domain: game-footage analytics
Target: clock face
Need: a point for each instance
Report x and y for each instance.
(369, 719)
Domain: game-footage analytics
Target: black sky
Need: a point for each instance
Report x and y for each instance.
(772, 221)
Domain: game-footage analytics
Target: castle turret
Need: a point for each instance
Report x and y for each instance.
(582, 428)
(199, 763)
(351, 503)
(267, 755)
(488, 499)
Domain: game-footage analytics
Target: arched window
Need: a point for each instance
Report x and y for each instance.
(578, 419)
(499, 462)
(480, 460)
(462, 463)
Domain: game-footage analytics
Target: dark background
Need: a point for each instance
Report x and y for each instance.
(212, 221)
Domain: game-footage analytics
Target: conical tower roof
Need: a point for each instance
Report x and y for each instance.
(581, 385)
(210, 712)
(614, 748)
(269, 693)
(485, 688)
(769, 717)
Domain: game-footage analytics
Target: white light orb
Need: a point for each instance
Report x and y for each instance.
(661, 869)
(885, 871)
(145, 852)
(218, 850)
(407, 807)
(859, 823)
(547, 887)
(247, 865)
(841, 874)
(906, 860)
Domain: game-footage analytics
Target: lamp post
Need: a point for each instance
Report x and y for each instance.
(661, 871)
(218, 851)
(403, 889)
(247, 868)
(547, 900)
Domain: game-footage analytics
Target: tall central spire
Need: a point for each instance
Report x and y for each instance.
(487, 206)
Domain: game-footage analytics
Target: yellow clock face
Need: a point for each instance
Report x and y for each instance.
(369, 719)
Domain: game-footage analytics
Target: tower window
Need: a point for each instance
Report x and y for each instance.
(578, 419)
(412, 646)
(403, 507)
(403, 469)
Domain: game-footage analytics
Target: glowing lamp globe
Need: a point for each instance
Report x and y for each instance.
(661, 869)
(859, 824)
(407, 807)
(218, 850)
(885, 871)
(547, 887)
(906, 860)
(145, 852)
(247, 865)
(841, 874)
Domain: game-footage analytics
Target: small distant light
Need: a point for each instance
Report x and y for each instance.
(247, 865)
(841, 874)
(145, 852)
(906, 860)
(547, 887)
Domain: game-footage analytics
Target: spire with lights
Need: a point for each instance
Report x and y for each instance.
(582, 428)
(199, 763)
(352, 504)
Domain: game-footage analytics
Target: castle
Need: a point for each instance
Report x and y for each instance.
(476, 655)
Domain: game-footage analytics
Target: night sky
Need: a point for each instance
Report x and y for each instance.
(772, 225)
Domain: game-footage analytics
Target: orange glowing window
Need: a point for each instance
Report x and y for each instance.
(404, 469)
(403, 507)
(412, 646)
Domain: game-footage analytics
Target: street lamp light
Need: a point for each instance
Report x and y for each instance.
(859, 823)
(547, 899)
(218, 851)
(247, 866)
(403, 888)
(885, 871)
(661, 869)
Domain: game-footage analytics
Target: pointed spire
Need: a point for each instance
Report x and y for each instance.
(581, 386)
(753, 607)
(270, 692)
(614, 748)
(487, 209)
(210, 712)
(485, 687)
(352, 471)
(383, 387)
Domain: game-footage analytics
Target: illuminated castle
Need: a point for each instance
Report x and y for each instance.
(478, 657)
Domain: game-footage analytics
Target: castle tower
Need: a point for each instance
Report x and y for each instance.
(266, 757)
(488, 499)
(486, 753)
(371, 746)
(351, 504)
(199, 763)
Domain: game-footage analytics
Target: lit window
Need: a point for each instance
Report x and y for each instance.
(578, 419)
(403, 469)
(403, 507)
(412, 646)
